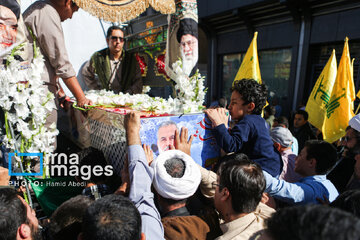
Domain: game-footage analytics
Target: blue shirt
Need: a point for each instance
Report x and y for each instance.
(141, 176)
(251, 137)
(302, 192)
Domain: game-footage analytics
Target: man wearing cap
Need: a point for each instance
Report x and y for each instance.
(282, 139)
(113, 68)
(342, 173)
(187, 36)
(283, 122)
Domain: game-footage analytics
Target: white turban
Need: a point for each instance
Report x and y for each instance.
(176, 188)
(355, 122)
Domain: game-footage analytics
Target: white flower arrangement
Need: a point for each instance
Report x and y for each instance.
(26, 103)
(190, 96)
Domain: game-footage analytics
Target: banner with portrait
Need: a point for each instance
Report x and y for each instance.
(182, 38)
(12, 28)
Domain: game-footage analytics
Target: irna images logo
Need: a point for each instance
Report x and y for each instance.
(17, 154)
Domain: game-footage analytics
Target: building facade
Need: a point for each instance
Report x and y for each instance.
(295, 40)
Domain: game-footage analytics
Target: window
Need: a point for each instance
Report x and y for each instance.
(275, 72)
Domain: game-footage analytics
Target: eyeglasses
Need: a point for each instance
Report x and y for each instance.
(114, 38)
(346, 138)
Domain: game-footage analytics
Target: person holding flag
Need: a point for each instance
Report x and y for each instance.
(330, 105)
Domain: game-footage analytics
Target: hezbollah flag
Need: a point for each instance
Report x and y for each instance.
(320, 95)
(250, 65)
(339, 109)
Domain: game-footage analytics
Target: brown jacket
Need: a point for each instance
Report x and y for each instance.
(184, 227)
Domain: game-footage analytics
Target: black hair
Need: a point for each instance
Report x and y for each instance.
(270, 110)
(314, 222)
(13, 213)
(282, 121)
(348, 201)
(93, 157)
(324, 153)
(245, 181)
(112, 217)
(111, 29)
(304, 113)
(222, 102)
(251, 91)
(69, 216)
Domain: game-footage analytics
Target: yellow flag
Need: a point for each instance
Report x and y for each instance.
(320, 95)
(339, 109)
(250, 65)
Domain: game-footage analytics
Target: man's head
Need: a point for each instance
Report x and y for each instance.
(316, 158)
(282, 138)
(248, 97)
(351, 140)
(65, 222)
(112, 217)
(166, 135)
(240, 185)
(269, 111)
(176, 176)
(281, 122)
(311, 222)
(65, 8)
(187, 36)
(115, 40)
(17, 219)
(300, 118)
(9, 14)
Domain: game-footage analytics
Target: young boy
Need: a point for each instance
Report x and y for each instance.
(250, 135)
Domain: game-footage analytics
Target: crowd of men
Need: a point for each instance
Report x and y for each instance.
(242, 197)
(272, 182)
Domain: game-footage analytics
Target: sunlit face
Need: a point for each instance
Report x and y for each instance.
(349, 141)
(166, 137)
(299, 120)
(116, 41)
(8, 28)
(69, 10)
(189, 46)
(237, 108)
(301, 162)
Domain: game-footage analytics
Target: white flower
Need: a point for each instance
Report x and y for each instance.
(146, 89)
(22, 110)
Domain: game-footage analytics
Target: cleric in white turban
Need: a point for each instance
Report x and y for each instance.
(176, 175)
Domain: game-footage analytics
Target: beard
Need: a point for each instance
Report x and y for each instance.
(189, 62)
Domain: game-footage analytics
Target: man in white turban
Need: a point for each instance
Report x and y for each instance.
(176, 178)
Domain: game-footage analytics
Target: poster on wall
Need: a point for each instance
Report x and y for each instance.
(159, 134)
(182, 39)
